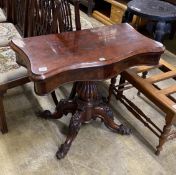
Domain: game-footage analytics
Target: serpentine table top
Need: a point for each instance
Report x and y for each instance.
(95, 54)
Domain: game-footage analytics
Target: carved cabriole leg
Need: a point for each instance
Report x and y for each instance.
(89, 106)
(85, 106)
(63, 108)
(111, 87)
(105, 114)
(3, 124)
(75, 124)
(166, 130)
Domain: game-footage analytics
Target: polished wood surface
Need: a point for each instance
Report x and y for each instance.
(84, 57)
(95, 54)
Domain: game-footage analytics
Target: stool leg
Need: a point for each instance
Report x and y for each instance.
(3, 124)
(160, 31)
(165, 133)
(128, 17)
(173, 31)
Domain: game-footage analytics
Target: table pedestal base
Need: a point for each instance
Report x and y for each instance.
(85, 106)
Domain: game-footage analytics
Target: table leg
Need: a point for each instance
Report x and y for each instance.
(87, 105)
(74, 126)
(63, 108)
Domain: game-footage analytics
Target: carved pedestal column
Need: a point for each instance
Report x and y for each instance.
(86, 105)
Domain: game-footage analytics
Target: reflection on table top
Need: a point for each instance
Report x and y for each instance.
(51, 54)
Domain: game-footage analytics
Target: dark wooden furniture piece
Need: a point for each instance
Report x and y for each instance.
(163, 13)
(39, 21)
(160, 97)
(90, 4)
(95, 54)
(20, 15)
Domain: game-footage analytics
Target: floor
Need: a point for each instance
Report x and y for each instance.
(30, 146)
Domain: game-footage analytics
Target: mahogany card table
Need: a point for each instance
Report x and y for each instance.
(84, 57)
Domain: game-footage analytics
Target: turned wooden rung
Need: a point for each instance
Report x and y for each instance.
(161, 97)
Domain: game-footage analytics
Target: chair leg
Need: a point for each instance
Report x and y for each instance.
(3, 124)
(111, 86)
(73, 91)
(144, 75)
(164, 135)
(53, 94)
(121, 87)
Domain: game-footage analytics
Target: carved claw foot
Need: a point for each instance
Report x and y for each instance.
(63, 150)
(157, 152)
(123, 130)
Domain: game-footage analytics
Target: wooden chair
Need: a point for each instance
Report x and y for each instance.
(14, 75)
(162, 98)
(9, 28)
(40, 22)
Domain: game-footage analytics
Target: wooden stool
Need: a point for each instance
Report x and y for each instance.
(162, 13)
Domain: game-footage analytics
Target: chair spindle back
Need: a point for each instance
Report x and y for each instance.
(51, 16)
(20, 9)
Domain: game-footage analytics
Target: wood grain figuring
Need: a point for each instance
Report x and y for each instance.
(70, 54)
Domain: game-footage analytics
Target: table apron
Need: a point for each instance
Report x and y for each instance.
(43, 87)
